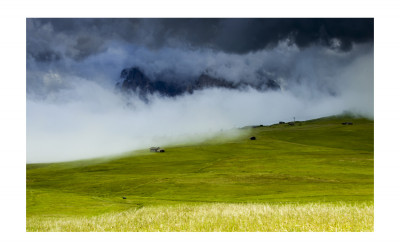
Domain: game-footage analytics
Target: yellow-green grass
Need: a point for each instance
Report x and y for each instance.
(310, 217)
(319, 161)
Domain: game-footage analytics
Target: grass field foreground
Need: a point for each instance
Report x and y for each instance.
(310, 217)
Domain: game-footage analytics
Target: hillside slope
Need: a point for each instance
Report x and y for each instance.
(314, 161)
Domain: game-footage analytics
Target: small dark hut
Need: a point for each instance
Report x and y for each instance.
(252, 138)
(154, 149)
(281, 122)
(157, 149)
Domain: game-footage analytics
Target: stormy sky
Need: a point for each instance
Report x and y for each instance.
(324, 67)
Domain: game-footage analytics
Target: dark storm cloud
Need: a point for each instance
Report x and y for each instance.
(45, 55)
(85, 37)
(244, 35)
(84, 47)
(49, 39)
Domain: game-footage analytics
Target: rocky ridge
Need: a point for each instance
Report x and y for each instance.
(134, 80)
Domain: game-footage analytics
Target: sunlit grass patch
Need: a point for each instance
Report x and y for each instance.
(219, 217)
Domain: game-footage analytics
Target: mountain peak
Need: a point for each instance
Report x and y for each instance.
(134, 80)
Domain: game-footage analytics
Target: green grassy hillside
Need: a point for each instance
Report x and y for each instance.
(315, 161)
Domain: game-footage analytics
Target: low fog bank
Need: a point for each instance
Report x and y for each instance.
(104, 125)
(74, 112)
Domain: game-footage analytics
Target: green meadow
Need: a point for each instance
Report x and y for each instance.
(317, 175)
